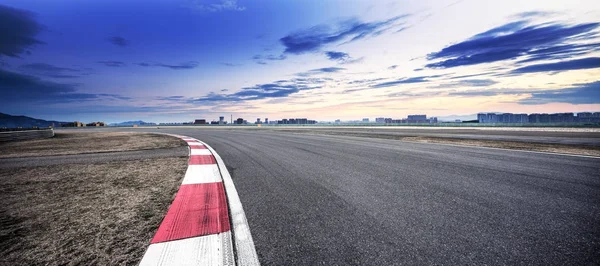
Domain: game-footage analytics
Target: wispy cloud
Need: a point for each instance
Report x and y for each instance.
(341, 57)
(585, 93)
(419, 79)
(52, 71)
(588, 93)
(518, 40)
(260, 59)
(585, 63)
(182, 66)
(19, 89)
(279, 89)
(111, 63)
(323, 70)
(18, 31)
(118, 41)
(315, 38)
(216, 6)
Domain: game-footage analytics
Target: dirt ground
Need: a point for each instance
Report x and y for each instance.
(84, 214)
(87, 142)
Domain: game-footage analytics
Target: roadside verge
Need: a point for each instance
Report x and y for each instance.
(205, 224)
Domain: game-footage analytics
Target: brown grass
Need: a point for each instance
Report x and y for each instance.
(87, 142)
(84, 214)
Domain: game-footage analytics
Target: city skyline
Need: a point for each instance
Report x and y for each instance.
(170, 61)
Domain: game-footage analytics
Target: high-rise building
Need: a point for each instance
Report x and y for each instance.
(221, 120)
(266, 120)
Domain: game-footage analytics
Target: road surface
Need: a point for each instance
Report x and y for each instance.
(332, 200)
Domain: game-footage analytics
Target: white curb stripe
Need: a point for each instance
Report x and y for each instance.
(203, 173)
(203, 250)
(200, 152)
(244, 245)
(195, 144)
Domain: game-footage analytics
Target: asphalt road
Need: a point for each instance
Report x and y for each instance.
(331, 200)
(531, 135)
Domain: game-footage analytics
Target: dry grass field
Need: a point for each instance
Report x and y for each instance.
(87, 142)
(86, 214)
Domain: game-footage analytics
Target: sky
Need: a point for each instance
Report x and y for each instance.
(180, 60)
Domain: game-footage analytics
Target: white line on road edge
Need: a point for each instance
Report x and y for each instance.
(242, 239)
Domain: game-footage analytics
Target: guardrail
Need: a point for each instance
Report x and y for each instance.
(26, 134)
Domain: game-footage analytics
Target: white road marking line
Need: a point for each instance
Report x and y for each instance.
(244, 245)
(203, 250)
(203, 173)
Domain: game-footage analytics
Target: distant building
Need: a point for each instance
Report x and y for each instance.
(96, 124)
(337, 121)
(365, 120)
(537, 118)
(258, 121)
(239, 121)
(380, 120)
(200, 122)
(267, 121)
(221, 120)
(74, 124)
(412, 119)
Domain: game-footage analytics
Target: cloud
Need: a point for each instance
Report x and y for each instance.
(419, 79)
(17, 31)
(182, 66)
(278, 89)
(341, 57)
(533, 14)
(186, 65)
(112, 63)
(217, 6)
(585, 63)
(337, 56)
(19, 89)
(313, 39)
(260, 59)
(588, 93)
(320, 71)
(231, 64)
(118, 41)
(515, 40)
(51, 70)
(393, 67)
(585, 93)
(467, 83)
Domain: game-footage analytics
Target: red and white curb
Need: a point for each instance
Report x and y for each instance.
(197, 229)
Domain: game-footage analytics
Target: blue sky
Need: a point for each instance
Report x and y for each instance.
(168, 61)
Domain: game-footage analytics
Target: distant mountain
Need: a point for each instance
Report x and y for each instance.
(15, 121)
(131, 123)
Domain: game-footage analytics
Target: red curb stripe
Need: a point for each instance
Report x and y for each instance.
(191, 140)
(202, 147)
(198, 210)
(202, 159)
